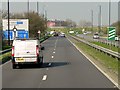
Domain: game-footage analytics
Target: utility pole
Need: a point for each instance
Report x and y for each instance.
(109, 13)
(99, 19)
(46, 17)
(38, 8)
(28, 9)
(92, 20)
(8, 24)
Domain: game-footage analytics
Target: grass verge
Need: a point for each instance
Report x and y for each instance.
(5, 57)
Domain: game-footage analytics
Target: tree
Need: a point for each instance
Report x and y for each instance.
(36, 23)
(117, 25)
(85, 24)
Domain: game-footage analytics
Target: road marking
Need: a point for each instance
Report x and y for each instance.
(56, 43)
(49, 64)
(96, 65)
(52, 57)
(54, 49)
(5, 63)
(44, 77)
(47, 69)
(53, 52)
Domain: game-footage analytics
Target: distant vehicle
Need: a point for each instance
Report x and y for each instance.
(85, 33)
(116, 38)
(71, 32)
(62, 35)
(26, 52)
(55, 33)
(96, 36)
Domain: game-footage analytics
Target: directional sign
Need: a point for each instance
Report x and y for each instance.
(111, 33)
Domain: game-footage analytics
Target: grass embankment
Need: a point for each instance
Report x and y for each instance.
(107, 46)
(5, 57)
(6, 47)
(106, 61)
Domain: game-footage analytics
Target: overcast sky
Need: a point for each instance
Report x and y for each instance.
(76, 11)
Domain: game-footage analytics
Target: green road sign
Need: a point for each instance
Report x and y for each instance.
(111, 33)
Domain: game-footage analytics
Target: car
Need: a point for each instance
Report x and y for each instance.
(85, 33)
(26, 52)
(96, 36)
(62, 35)
(116, 38)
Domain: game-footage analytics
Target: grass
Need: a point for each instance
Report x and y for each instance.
(6, 47)
(109, 62)
(106, 46)
(5, 57)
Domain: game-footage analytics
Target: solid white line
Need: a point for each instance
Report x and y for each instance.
(5, 63)
(96, 65)
(44, 77)
(52, 57)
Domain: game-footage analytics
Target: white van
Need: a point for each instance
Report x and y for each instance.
(26, 52)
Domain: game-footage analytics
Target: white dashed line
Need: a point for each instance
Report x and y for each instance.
(52, 57)
(54, 49)
(53, 52)
(49, 64)
(47, 69)
(44, 77)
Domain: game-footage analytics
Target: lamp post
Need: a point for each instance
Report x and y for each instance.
(8, 24)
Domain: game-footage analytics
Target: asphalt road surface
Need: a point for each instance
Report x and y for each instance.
(90, 38)
(64, 67)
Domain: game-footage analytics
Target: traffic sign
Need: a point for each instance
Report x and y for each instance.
(111, 33)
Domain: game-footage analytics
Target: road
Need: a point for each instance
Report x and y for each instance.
(90, 38)
(64, 67)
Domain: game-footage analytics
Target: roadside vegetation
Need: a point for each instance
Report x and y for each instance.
(5, 57)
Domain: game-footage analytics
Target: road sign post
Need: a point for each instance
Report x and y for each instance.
(111, 33)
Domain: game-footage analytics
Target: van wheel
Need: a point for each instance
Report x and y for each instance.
(14, 66)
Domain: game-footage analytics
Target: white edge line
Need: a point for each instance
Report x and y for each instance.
(44, 77)
(52, 57)
(96, 66)
(49, 64)
(5, 63)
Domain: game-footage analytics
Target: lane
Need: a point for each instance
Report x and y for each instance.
(70, 69)
(27, 77)
(101, 39)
